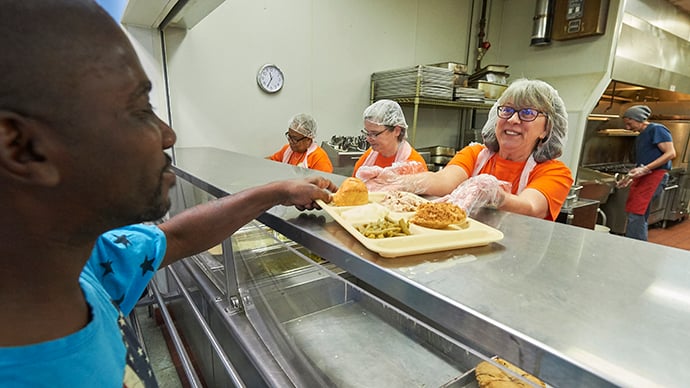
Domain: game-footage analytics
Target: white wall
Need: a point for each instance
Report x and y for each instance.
(579, 69)
(327, 50)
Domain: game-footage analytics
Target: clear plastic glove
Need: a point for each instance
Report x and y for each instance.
(397, 177)
(623, 181)
(477, 192)
(638, 172)
(366, 173)
(407, 168)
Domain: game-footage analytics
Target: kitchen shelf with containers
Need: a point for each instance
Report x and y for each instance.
(442, 85)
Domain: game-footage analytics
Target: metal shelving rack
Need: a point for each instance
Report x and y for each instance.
(416, 101)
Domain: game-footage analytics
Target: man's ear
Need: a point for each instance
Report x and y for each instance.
(23, 146)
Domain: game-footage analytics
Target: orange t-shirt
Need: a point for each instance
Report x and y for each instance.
(383, 161)
(551, 178)
(317, 160)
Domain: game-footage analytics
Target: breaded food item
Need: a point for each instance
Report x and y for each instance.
(438, 215)
(352, 192)
(490, 376)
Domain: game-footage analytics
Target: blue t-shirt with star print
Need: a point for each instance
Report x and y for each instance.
(105, 353)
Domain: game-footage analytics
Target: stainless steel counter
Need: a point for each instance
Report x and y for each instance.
(575, 307)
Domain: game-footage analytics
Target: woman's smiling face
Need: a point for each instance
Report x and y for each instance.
(381, 138)
(517, 138)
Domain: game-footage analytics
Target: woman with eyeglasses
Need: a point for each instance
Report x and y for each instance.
(385, 129)
(301, 149)
(516, 168)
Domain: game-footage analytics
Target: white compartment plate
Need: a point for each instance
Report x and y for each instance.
(421, 240)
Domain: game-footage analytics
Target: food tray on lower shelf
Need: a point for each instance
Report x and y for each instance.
(420, 240)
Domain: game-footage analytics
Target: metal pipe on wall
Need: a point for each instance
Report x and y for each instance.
(542, 23)
(482, 45)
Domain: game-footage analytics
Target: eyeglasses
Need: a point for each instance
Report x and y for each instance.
(524, 114)
(372, 135)
(292, 139)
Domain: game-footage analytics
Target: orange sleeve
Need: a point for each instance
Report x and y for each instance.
(467, 158)
(318, 160)
(278, 156)
(553, 179)
(361, 160)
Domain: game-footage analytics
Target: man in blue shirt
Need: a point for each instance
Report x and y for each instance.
(653, 154)
(82, 155)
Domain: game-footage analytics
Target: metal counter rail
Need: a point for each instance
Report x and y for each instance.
(186, 363)
(189, 371)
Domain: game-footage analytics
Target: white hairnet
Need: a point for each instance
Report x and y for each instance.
(303, 124)
(385, 112)
(525, 93)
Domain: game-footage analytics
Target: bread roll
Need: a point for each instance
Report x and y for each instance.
(352, 192)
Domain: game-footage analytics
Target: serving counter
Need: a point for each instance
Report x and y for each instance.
(294, 299)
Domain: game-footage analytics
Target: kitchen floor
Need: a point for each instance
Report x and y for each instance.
(674, 235)
(162, 362)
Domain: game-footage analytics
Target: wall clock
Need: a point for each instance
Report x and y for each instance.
(270, 78)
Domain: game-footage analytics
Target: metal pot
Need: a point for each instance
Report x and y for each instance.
(491, 90)
(440, 159)
(438, 150)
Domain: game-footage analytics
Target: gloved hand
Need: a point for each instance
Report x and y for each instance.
(366, 173)
(397, 177)
(638, 172)
(623, 181)
(477, 192)
(407, 168)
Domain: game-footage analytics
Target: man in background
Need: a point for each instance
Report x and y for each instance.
(82, 164)
(653, 154)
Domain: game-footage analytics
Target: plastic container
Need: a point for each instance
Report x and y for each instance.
(491, 90)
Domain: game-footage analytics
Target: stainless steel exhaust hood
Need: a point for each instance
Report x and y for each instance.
(651, 58)
(653, 47)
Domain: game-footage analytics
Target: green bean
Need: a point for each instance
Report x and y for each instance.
(384, 228)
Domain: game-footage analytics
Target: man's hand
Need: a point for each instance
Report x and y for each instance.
(302, 193)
